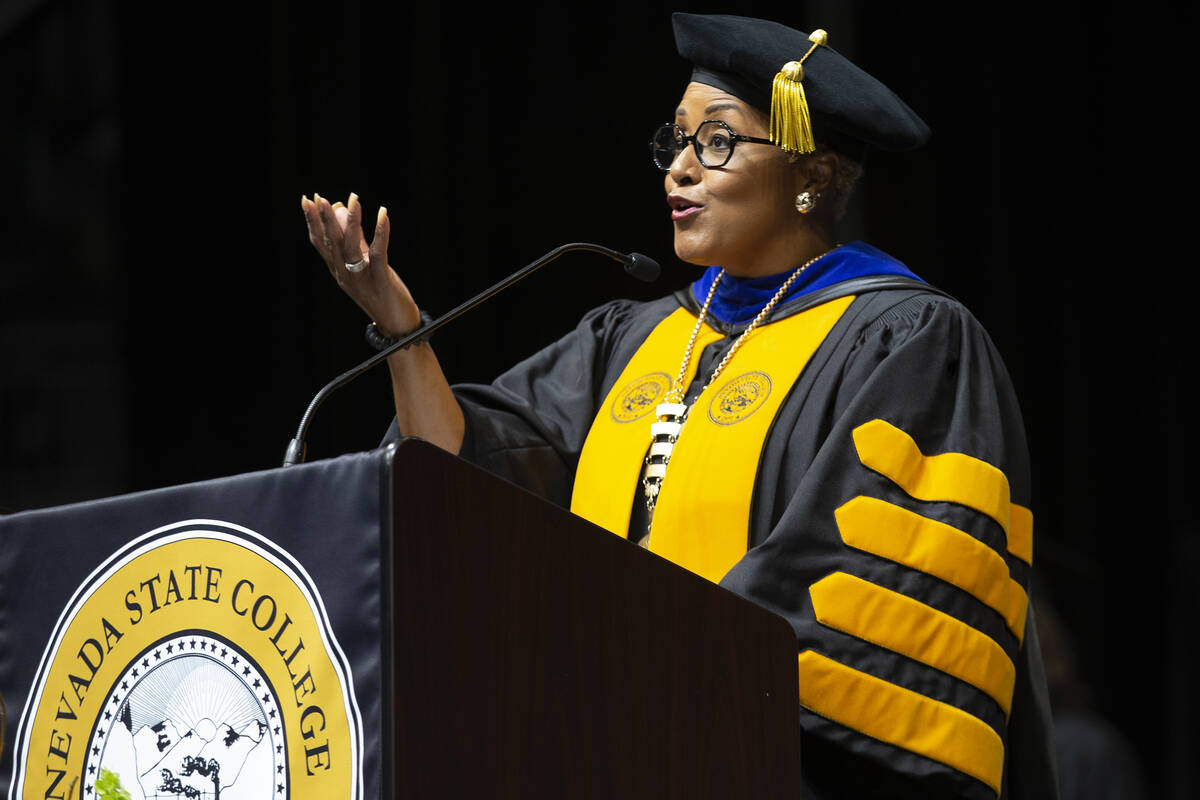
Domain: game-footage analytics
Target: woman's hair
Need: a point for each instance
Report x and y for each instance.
(848, 172)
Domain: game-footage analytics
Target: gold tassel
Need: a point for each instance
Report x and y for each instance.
(791, 125)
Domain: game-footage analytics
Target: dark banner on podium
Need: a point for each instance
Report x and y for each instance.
(215, 640)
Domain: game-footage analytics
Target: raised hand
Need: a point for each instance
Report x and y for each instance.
(361, 270)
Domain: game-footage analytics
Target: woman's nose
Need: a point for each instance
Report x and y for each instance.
(686, 166)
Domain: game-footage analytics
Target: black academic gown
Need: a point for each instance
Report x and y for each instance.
(901, 352)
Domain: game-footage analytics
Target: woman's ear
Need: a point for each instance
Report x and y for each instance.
(817, 171)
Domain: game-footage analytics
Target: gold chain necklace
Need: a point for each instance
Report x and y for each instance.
(672, 413)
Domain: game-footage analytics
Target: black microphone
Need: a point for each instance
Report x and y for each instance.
(639, 266)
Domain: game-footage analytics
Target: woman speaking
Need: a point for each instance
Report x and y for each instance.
(808, 424)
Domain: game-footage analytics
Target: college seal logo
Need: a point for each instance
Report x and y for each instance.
(640, 397)
(739, 398)
(196, 663)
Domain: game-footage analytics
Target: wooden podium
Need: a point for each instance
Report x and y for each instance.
(498, 645)
(537, 655)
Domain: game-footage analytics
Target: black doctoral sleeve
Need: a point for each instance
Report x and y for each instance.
(892, 530)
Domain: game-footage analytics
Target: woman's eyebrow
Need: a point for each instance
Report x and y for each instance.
(715, 107)
(721, 107)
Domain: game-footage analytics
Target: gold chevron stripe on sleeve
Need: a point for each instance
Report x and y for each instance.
(1020, 533)
(949, 477)
(901, 717)
(912, 628)
(937, 549)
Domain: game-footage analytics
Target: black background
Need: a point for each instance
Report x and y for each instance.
(163, 318)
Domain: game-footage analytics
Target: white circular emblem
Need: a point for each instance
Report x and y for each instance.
(193, 717)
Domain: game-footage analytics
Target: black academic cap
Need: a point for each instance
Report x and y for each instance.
(746, 57)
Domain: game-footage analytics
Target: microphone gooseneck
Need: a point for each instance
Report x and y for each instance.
(639, 266)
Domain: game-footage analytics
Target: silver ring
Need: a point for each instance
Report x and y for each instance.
(357, 266)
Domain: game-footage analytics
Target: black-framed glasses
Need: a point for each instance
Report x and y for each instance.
(713, 142)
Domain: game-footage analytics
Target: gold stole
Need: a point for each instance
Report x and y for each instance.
(702, 518)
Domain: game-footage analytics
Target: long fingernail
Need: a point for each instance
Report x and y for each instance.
(316, 198)
(338, 204)
(381, 216)
(351, 200)
(304, 201)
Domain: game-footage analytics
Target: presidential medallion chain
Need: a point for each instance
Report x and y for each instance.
(672, 413)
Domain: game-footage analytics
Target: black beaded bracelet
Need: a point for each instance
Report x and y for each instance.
(381, 342)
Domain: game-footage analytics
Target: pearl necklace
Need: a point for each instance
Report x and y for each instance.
(672, 413)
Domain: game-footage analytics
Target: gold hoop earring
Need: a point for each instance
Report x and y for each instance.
(806, 202)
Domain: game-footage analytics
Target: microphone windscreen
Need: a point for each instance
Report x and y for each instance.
(644, 268)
